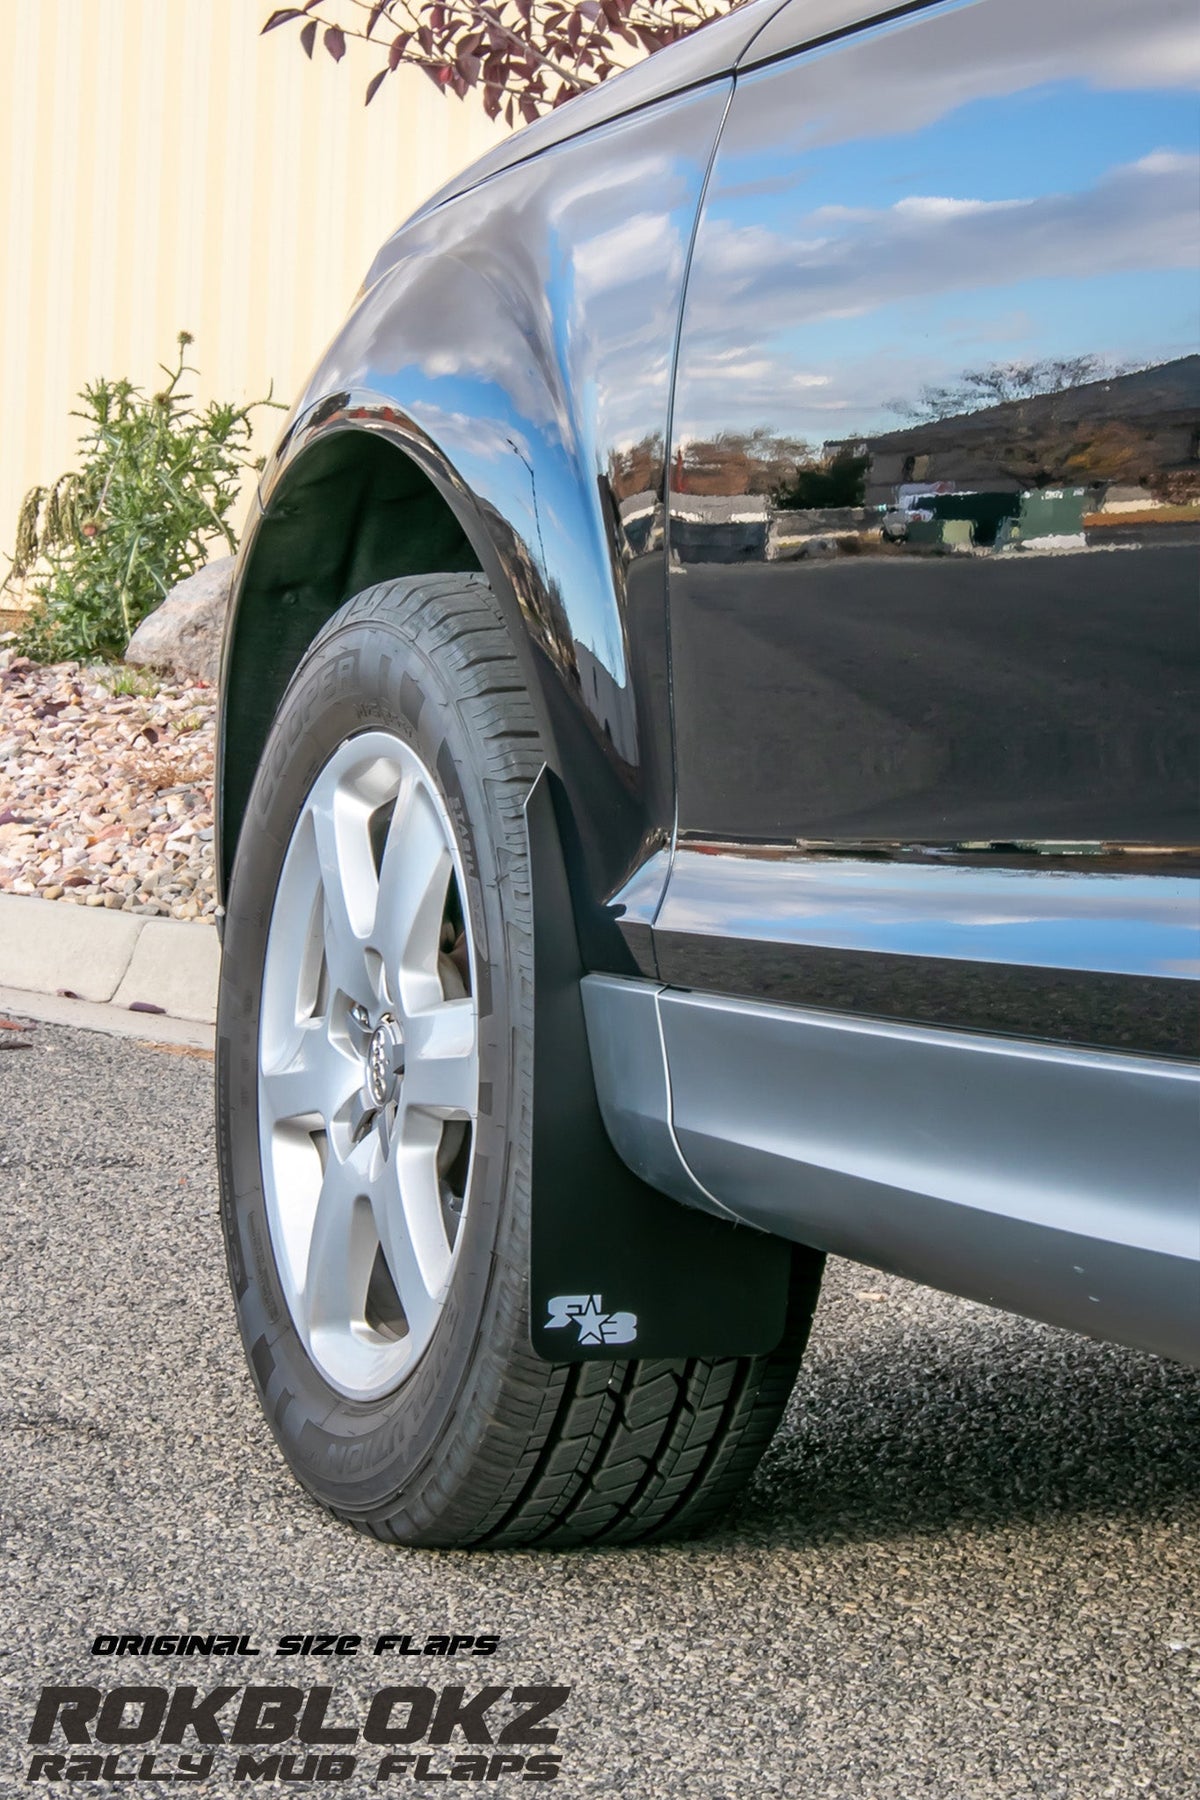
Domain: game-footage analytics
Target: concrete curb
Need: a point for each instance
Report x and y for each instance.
(86, 1015)
(57, 959)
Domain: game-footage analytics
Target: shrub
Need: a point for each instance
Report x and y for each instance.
(839, 481)
(157, 482)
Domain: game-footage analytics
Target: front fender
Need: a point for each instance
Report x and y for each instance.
(517, 355)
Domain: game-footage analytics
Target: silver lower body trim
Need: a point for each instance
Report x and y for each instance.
(1060, 1183)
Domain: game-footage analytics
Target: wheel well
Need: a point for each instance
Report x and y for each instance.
(351, 511)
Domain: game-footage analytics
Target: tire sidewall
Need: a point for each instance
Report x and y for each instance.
(359, 1457)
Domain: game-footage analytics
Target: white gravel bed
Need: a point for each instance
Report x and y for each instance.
(106, 799)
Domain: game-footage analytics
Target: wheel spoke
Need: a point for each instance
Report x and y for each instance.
(349, 885)
(441, 1070)
(295, 954)
(315, 1081)
(408, 1216)
(341, 1252)
(413, 876)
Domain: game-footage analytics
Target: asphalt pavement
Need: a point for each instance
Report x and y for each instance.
(967, 1567)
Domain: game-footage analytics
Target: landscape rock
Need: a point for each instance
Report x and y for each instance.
(106, 795)
(184, 633)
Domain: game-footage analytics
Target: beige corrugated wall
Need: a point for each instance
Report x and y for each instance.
(162, 166)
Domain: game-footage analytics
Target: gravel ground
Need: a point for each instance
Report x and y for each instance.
(106, 798)
(966, 1569)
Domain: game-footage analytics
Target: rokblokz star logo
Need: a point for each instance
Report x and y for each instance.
(596, 1326)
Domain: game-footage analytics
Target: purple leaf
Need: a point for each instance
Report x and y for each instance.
(308, 37)
(281, 18)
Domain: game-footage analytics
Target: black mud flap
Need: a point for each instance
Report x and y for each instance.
(618, 1269)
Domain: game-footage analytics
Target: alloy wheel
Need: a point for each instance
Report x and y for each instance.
(368, 1067)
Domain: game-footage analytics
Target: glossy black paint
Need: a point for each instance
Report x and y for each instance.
(861, 656)
(713, 50)
(514, 350)
(1093, 955)
(977, 620)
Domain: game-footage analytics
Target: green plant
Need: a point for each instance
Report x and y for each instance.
(140, 684)
(157, 482)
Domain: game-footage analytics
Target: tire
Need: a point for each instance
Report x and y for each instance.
(423, 1417)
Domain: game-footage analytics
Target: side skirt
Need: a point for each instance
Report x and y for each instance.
(1047, 1180)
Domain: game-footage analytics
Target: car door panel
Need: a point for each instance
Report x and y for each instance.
(934, 512)
(893, 228)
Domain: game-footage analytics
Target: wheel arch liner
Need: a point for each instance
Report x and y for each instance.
(353, 507)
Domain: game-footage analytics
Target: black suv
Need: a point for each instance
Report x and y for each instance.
(708, 773)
